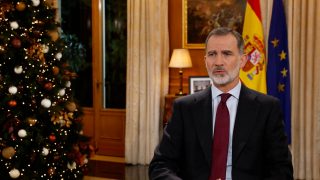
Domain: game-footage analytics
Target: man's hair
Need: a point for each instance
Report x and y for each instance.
(222, 31)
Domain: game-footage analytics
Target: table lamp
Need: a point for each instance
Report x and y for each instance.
(180, 59)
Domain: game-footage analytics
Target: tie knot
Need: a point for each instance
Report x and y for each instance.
(224, 97)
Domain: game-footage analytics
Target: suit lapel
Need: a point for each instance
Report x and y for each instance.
(245, 121)
(203, 119)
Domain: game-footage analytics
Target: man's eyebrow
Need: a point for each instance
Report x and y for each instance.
(227, 51)
(212, 51)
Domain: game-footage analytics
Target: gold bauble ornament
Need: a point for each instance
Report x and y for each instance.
(71, 106)
(8, 152)
(54, 35)
(2, 49)
(76, 148)
(21, 6)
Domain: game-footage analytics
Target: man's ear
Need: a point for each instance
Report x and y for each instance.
(243, 60)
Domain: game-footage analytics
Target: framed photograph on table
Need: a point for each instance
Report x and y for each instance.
(199, 83)
(199, 17)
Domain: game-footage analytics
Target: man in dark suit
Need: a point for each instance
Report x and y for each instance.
(255, 142)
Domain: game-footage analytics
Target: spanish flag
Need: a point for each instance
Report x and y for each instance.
(253, 74)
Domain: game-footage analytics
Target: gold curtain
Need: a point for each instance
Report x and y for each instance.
(304, 25)
(147, 77)
(303, 22)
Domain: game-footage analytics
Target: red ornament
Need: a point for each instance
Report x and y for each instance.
(12, 103)
(66, 78)
(16, 43)
(56, 158)
(65, 65)
(52, 138)
(48, 86)
(55, 70)
(51, 171)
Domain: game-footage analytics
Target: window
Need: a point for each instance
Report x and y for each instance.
(115, 53)
(76, 21)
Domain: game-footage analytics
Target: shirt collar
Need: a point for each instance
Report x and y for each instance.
(235, 92)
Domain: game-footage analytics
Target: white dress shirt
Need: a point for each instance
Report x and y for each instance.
(232, 104)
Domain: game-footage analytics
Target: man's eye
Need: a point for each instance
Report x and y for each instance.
(227, 53)
(211, 54)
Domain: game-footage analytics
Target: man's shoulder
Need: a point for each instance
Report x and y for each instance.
(258, 95)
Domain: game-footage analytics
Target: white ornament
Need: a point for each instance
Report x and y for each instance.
(13, 90)
(14, 173)
(45, 151)
(18, 69)
(58, 56)
(72, 166)
(46, 103)
(35, 2)
(68, 84)
(22, 133)
(62, 92)
(14, 25)
(85, 161)
(44, 49)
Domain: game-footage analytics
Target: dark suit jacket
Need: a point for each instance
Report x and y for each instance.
(259, 147)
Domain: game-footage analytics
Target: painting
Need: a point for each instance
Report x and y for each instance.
(199, 83)
(201, 16)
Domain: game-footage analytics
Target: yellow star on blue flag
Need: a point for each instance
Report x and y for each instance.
(282, 55)
(275, 42)
(284, 72)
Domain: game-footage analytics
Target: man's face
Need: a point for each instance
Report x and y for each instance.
(224, 61)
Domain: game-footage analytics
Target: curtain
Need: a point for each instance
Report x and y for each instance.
(147, 77)
(303, 21)
(304, 32)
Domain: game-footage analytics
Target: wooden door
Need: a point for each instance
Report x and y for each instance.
(107, 124)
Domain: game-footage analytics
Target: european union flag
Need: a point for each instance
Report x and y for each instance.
(278, 76)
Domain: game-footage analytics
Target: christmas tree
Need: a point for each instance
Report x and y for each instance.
(40, 124)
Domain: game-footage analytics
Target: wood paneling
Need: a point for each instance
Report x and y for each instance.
(88, 122)
(175, 36)
(107, 132)
(110, 134)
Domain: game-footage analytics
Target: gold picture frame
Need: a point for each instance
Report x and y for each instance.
(199, 17)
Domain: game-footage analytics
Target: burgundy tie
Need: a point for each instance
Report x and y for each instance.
(220, 140)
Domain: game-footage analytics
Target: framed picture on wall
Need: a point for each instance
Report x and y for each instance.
(199, 83)
(201, 16)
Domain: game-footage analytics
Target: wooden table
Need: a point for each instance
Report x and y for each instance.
(168, 108)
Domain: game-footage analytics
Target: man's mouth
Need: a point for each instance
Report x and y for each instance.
(219, 71)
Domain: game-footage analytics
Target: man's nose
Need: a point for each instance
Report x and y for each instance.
(219, 60)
